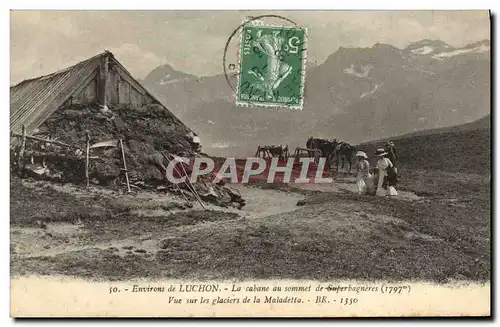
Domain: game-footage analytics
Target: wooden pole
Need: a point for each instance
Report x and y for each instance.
(87, 158)
(34, 138)
(166, 174)
(186, 182)
(55, 155)
(20, 162)
(125, 166)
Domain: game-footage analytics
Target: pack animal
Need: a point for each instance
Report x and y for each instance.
(327, 147)
(279, 151)
(344, 152)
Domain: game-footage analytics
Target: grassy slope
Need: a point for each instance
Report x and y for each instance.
(464, 148)
(329, 237)
(481, 123)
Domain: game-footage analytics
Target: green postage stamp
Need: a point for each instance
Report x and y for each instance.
(272, 66)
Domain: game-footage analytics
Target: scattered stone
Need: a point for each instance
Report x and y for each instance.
(119, 123)
(100, 116)
(41, 224)
(35, 170)
(165, 243)
(301, 203)
(419, 236)
(58, 176)
(145, 238)
(70, 113)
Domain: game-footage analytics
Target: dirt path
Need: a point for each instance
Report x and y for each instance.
(347, 184)
(262, 203)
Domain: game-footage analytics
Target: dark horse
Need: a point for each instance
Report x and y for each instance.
(327, 147)
(344, 151)
(311, 143)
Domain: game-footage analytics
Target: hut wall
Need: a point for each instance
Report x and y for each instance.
(112, 87)
(123, 89)
(120, 89)
(135, 97)
(87, 95)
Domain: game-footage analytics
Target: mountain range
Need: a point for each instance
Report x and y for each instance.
(356, 95)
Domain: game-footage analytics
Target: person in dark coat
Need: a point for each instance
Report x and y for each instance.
(387, 179)
(392, 154)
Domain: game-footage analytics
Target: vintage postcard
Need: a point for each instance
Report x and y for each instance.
(250, 163)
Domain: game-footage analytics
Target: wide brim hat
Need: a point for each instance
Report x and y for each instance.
(361, 154)
(380, 152)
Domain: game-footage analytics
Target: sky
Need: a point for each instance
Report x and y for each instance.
(43, 42)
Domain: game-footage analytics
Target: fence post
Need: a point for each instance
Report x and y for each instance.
(87, 158)
(20, 159)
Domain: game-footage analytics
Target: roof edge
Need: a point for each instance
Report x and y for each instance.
(106, 52)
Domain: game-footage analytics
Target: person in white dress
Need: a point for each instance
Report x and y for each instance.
(385, 172)
(364, 180)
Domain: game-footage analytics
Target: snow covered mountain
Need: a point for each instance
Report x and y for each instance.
(357, 94)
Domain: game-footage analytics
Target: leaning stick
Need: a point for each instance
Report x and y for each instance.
(190, 187)
(125, 166)
(177, 185)
(178, 172)
(20, 162)
(87, 158)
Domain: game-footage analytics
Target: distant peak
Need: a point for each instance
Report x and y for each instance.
(167, 74)
(383, 46)
(428, 42)
(166, 67)
(428, 47)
